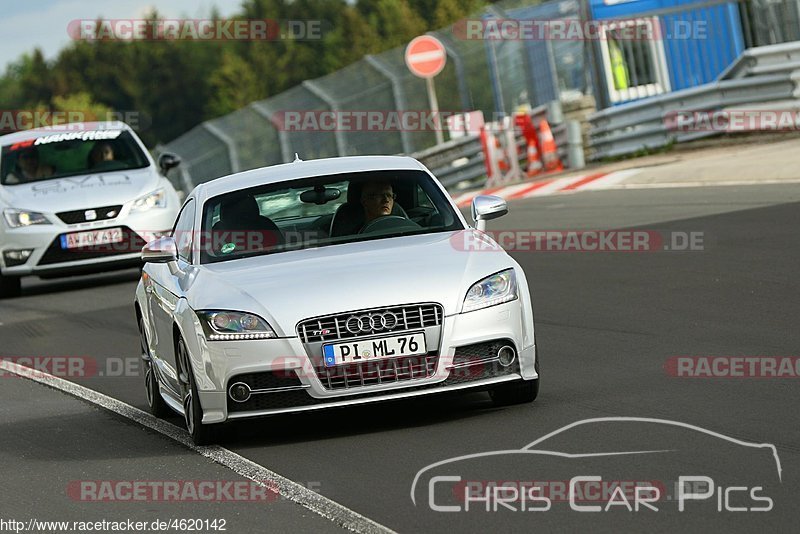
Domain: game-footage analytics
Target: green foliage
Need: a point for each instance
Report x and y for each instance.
(175, 85)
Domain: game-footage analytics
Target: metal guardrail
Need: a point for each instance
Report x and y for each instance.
(625, 129)
(462, 159)
(772, 59)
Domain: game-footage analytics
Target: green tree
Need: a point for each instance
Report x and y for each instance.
(233, 85)
(174, 85)
(82, 103)
(449, 11)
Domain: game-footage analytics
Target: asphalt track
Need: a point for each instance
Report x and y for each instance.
(607, 325)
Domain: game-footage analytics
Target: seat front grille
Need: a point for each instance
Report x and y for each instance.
(94, 214)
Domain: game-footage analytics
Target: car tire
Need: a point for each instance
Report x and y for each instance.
(10, 287)
(155, 402)
(193, 413)
(519, 392)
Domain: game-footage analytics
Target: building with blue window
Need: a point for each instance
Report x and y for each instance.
(650, 47)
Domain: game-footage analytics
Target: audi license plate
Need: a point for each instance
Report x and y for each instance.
(374, 349)
(91, 238)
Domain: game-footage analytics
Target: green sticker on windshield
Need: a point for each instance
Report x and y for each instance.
(227, 248)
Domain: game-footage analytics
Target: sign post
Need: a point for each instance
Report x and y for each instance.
(426, 57)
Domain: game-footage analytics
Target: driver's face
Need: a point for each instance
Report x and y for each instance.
(378, 200)
(29, 161)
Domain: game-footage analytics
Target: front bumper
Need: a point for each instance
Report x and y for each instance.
(292, 381)
(49, 259)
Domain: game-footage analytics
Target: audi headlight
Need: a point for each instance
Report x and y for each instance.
(20, 218)
(230, 325)
(156, 199)
(491, 291)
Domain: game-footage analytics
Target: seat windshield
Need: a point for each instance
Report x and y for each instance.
(322, 211)
(59, 154)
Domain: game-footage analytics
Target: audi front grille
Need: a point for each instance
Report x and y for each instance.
(368, 322)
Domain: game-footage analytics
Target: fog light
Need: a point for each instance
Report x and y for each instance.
(506, 355)
(239, 392)
(17, 257)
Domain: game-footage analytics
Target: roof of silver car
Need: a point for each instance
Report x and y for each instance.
(305, 169)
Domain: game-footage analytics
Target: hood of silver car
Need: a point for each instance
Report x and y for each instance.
(288, 287)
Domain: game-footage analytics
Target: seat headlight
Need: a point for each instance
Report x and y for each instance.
(491, 291)
(19, 218)
(156, 199)
(221, 325)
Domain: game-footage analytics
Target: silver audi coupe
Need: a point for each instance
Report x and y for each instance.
(329, 283)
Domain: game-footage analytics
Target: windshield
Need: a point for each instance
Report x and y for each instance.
(55, 155)
(323, 211)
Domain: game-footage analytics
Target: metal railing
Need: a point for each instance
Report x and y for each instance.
(460, 163)
(646, 124)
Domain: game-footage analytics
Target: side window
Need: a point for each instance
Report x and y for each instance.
(635, 66)
(183, 231)
(423, 200)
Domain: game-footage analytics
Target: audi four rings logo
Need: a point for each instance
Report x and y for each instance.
(373, 322)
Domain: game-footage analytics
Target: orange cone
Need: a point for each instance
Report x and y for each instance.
(549, 150)
(534, 161)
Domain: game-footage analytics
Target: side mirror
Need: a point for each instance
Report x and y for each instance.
(161, 250)
(486, 208)
(167, 161)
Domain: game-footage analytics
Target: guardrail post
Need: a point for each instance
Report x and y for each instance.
(397, 91)
(575, 156)
(458, 63)
(233, 154)
(338, 134)
(283, 140)
(555, 115)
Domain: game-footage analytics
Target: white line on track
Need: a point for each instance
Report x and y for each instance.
(286, 488)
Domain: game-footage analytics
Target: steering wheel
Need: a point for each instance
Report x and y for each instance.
(388, 222)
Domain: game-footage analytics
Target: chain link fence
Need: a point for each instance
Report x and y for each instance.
(493, 76)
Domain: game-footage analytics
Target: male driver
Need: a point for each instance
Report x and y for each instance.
(100, 152)
(377, 198)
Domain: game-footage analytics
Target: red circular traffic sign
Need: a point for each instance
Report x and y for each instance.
(425, 56)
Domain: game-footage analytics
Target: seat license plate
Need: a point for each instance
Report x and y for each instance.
(91, 238)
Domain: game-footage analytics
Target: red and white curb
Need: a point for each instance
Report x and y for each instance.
(581, 182)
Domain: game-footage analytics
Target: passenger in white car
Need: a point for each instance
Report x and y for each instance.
(29, 167)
